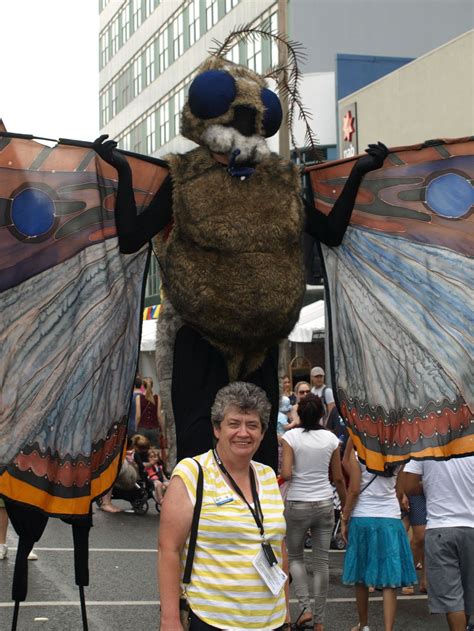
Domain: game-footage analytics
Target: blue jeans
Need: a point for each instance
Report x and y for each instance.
(319, 518)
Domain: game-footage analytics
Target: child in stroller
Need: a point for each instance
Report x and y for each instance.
(156, 474)
(133, 484)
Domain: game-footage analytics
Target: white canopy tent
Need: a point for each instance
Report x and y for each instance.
(146, 363)
(148, 341)
(310, 321)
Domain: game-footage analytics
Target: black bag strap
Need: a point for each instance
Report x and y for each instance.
(194, 526)
(368, 484)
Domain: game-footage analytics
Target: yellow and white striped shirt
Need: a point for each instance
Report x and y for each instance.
(226, 591)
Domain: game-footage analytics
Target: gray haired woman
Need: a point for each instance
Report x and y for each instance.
(241, 527)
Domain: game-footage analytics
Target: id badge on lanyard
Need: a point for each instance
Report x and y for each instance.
(272, 575)
(265, 561)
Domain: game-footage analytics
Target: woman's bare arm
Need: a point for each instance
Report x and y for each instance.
(287, 460)
(351, 467)
(138, 412)
(336, 475)
(175, 525)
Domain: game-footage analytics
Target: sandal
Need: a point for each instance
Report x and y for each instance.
(408, 590)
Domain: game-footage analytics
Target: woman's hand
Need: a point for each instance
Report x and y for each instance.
(374, 159)
(404, 503)
(345, 530)
(171, 626)
(106, 149)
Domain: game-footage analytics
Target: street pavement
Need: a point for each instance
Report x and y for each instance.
(123, 595)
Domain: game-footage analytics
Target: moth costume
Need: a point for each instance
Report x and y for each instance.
(227, 226)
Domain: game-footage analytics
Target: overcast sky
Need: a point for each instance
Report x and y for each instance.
(49, 61)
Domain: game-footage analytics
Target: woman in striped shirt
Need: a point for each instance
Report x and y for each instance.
(237, 580)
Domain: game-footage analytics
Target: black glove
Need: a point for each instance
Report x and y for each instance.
(374, 159)
(106, 150)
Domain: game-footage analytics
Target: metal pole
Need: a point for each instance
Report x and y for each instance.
(283, 134)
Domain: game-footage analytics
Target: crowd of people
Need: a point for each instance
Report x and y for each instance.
(251, 536)
(247, 539)
(147, 453)
(243, 530)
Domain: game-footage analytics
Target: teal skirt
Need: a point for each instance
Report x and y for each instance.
(378, 554)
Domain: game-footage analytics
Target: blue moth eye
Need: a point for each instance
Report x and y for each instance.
(273, 112)
(211, 94)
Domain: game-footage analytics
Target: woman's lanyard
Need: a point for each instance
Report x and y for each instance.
(257, 513)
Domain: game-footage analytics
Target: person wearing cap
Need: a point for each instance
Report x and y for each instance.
(323, 391)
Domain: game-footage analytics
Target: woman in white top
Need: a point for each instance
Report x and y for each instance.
(310, 454)
(378, 552)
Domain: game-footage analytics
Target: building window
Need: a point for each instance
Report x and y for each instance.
(104, 49)
(137, 77)
(114, 36)
(125, 141)
(163, 56)
(274, 56)
(150, 6)
(150, 63)
(194, 22)
(104, 108)
(125, 94)
(113, 100)
(233, 54)
(150, 133)
(211, 13)
(136, 13)
(136, 138)
(164, 123)
(230, 4)
(178, 36)
(125, 23)
(254, 53)
(152, 289)
(178, 106)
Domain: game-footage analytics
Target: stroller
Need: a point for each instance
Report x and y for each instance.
(134, 486)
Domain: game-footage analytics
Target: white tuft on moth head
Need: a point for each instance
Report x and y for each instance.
(223, 139)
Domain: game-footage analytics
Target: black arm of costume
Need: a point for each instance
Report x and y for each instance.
(135, 230)
(330, 229)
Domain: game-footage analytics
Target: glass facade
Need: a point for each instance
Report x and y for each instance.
(174, 37)
(186, 24)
